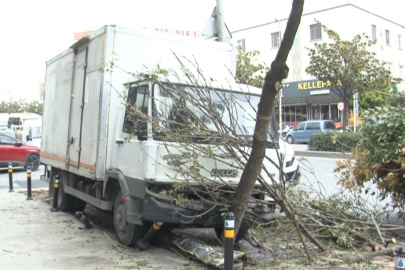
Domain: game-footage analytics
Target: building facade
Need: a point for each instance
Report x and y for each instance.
(347, 20)
(305, 100)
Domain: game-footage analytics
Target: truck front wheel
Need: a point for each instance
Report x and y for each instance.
(127, 233)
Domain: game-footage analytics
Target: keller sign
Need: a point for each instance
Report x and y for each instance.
(312, 85)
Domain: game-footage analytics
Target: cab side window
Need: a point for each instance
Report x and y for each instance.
(137, 102)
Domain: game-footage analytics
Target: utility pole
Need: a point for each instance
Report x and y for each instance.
(355, 109)
(220, 22)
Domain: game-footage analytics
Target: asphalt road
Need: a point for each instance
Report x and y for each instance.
(20, 179)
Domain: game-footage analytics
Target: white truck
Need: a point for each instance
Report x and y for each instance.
(32, 132)
(85, 132)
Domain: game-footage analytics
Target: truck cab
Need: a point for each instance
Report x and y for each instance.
(177, 147)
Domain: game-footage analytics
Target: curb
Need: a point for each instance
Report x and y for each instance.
(322, 154)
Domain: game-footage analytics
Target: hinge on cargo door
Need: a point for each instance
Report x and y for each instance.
(82, 104)
(84, 64)
(79, 148)
(67, 161)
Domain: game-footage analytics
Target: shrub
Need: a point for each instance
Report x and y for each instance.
(333, 142)
(380, 155)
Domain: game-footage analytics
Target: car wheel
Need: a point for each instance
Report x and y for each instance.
(127, 233)
(32, 161)
(290, 140)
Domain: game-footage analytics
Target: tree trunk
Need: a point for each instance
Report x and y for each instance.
(345, 114)
(272, 84)
(368, 256)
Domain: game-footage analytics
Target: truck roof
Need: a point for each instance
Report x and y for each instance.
(142, 32)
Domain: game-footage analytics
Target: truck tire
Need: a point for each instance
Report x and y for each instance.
(127, 233)
(66, 202)
(241, 234)
(79, 205)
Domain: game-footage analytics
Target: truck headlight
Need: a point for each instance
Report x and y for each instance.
(291, 162)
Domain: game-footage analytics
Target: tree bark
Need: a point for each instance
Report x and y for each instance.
(345, 114)
(272, 85)
(368, 256)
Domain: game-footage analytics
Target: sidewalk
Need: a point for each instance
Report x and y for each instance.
(302, 150)
(33, 237)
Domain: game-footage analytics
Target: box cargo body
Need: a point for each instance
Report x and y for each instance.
(82, 97)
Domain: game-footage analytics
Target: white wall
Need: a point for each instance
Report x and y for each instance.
(347, 20)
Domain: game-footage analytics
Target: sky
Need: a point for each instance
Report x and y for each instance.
(33, 32)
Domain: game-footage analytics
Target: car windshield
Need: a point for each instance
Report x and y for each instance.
(185, 105)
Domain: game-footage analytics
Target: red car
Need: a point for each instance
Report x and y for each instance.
(19, 154)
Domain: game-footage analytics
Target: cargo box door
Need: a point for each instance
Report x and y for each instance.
(76, 107)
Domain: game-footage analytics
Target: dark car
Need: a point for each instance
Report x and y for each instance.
(19, 154)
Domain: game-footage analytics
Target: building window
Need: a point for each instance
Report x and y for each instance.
(316, 32)
(275, 40)
(387, 37)
(373, 32)
(399, 39)
(241, 45)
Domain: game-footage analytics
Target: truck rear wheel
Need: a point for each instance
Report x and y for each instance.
(79, 205)
(127, 233)
(66, 202)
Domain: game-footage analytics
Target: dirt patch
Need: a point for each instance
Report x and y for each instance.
(39, 195)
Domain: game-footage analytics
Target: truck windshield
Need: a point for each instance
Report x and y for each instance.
(183, 107)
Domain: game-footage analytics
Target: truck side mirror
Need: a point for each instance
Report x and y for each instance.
(29, 137)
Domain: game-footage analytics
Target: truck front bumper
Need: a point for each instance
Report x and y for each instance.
(295, 175)
(158, 208)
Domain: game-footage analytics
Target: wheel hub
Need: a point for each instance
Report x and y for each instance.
(121, 220)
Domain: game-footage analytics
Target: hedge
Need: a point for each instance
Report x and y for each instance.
(333, 141)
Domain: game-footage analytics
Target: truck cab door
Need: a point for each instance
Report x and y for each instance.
(132, 131)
